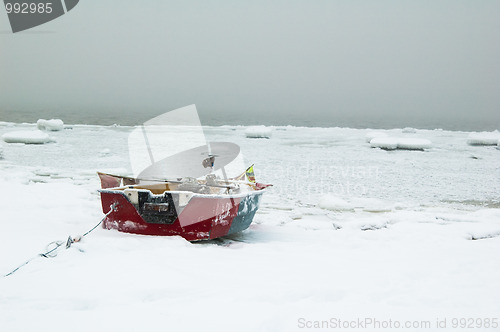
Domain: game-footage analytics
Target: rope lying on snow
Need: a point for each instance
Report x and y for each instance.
(50, 253)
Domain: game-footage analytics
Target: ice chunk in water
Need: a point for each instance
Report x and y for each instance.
(26, 137)
(386, 143)
(51, 125)
(484, 138)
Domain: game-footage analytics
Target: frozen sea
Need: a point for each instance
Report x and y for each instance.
(348, 232)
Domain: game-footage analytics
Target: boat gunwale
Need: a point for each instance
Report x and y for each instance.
(214, 196)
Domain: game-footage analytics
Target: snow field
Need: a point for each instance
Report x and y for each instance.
(419, 242)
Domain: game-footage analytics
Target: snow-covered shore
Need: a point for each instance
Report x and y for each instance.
(401, 235)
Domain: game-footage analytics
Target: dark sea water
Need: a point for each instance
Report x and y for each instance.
(107, 117)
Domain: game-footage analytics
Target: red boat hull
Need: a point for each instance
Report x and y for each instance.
(204, 217)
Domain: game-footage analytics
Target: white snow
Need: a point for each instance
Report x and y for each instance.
(346, 232)
(386, 143)
(404, 143)
(484, 138)
(333, 203)
(408, 130)
(104, 153)
(374, 134)
(414, 143)
(373, 205)
(258, 132)
(26, 137)
(50, 125)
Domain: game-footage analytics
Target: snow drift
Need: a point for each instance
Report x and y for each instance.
(409, 130)
(50, 125)
(403, 143)
(374, 134)
(26, 137)
(386, 143)
(414, 143)
(484, 138)
(334, 203)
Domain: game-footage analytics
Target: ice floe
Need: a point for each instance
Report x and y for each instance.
(484, 138)
(414, 143)
(27, 137)
(403, 143)
(409, 130)
(50, 125)
(386, 143)
(258, 132)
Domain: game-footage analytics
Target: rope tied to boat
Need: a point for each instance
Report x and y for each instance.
(52, 247)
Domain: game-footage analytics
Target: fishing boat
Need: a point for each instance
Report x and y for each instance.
(180, 184)
(191, 208)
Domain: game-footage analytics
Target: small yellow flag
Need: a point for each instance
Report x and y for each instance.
(250, 174)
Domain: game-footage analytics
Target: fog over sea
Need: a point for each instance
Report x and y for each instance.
(359, 64)
(299, 119)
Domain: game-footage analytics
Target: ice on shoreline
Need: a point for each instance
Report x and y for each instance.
(409, 130)
(50, 125)
(386, 143)
(484, 138)
(374, 134)
(414, 143)
(334, 203)
(258, 132)
(27, 137)
(403, 143)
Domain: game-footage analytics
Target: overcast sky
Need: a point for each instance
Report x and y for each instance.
(330, 63)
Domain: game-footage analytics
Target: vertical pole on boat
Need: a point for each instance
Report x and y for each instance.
(209, 156)
(209, 149)
(147, 144)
